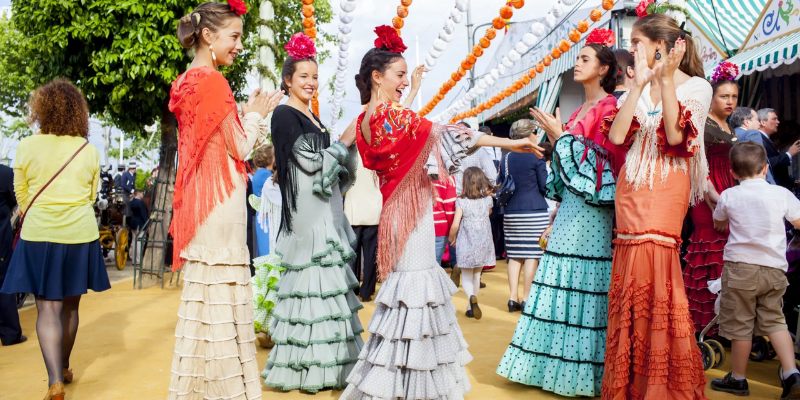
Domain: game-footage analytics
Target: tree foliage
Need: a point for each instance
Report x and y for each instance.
(123, 54)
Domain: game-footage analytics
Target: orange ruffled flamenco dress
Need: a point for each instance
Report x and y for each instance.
(650, 347)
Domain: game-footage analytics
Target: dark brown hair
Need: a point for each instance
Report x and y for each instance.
(375, 60)
(547, 151)
(624, 61)
(60, 109)
(476, 184)
(719, 84)
(663, 27)
(211, 15)
(747, 159)
(605, 56)
(264, 156)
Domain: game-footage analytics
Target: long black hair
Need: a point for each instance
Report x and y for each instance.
(606, 58)
(375, 60)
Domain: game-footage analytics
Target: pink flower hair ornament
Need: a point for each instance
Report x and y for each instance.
(603, 37)
(301, 47)
(238, 7)
(725, 71)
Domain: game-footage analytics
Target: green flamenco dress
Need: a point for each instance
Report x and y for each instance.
(315, 323)
(559, 342)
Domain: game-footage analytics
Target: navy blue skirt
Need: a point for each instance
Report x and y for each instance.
(54, 271)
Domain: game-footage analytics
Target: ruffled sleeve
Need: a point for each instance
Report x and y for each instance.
(455, 143)
(693, 104)
(575, 169)
(604, 128)
(326, 165)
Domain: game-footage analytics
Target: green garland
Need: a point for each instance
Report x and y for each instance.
(662, 8)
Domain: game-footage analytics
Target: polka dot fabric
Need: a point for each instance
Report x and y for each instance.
(559, 342)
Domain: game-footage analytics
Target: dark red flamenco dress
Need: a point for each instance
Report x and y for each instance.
(706, 245)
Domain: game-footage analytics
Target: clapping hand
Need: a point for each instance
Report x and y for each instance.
(349, 134)
(550, 123)
(416, 77)
(672, 61)
(526, 145)
(644, 74)
(262, 102)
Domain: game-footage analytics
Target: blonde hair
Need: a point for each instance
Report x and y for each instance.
(211, 15)
(522, 128)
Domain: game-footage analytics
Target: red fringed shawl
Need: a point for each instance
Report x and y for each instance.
(203, 103)
(400, 144)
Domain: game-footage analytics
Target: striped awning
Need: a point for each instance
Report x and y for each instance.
(781, 51)
(726, 22)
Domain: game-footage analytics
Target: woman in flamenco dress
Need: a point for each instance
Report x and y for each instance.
(650, 347)
(704, 253)
(415, 349)
(215, 353)
(560, 339)
(315, 323)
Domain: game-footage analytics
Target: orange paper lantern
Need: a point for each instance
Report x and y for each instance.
(472, 59)
(485, 43)
(498, 23)
(397, 23)
(517, 3)
(531, 73)
(308, 11)
(491, 33)
(477, 51)
(455, 76)
(564, 46)
(540, 68)
(461, 71)
(402, 11)
(466, 66)
(308, 2)
(574, 36)
(595, 15)
(547, 61)
(308, 23)
(311, 32)
(583, 26)
(608, 4)
(405, 2)
(556, 53)
(506, 12)
(526, 79)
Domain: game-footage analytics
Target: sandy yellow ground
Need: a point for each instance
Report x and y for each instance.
(124, 349)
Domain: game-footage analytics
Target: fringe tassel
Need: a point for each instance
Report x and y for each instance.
(404, 208)
(200, 189)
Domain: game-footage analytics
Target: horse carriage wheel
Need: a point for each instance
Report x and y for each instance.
(121, 248)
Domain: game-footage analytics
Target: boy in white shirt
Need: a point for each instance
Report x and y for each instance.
(753, 278)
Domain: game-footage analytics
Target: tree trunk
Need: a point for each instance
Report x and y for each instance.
(159, 245)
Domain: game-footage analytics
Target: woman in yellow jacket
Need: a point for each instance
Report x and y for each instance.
(58, 256)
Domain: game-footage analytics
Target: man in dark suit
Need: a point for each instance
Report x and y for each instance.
(744, 121)
(10, 331)
(779, 162)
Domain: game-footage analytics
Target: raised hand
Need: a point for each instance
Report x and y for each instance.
(673, 60)
(550, 123)
(527, 145)
(644, 74)
(417, 75)
(262, 102)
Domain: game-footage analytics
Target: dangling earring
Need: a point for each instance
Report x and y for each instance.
(213, 55)
(658, 55)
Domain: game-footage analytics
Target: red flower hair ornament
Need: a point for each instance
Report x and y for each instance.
(389, 40)
(642, 9)
(603, 37)
(301, 47)
(238, 7)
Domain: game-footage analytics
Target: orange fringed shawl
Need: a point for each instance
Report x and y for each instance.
(400, 144)
(205, 108)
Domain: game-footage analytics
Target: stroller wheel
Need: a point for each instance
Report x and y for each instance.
(760, 349)
(707, 355)
(719, 352)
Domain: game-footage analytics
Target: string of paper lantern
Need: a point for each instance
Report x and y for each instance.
(562, 47)
(345, 20)
(402, 12)
(499, 22)
(445, 34)
(537, 31)
(310, 29)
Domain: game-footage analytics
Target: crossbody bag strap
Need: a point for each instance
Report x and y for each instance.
(63, 167)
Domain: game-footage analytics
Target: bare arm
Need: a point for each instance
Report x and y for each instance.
(454, 228)
(622, 122)
(416, 83)
(669, 97)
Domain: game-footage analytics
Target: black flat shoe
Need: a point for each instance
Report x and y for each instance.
(474, 307)
(22, 339)
(733, 386)
(483, 285)
(791, 387)
(522, 306)
(469, 314)
(513, 306)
